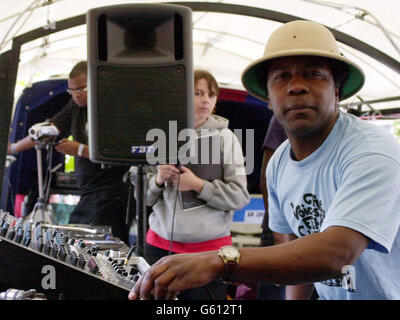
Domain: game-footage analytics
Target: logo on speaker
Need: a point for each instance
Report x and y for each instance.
(142, 149)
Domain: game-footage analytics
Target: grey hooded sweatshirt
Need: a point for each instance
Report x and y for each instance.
(222, 197)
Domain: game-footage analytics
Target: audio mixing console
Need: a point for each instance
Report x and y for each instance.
(65, 262)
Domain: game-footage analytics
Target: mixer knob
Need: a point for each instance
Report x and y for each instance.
(47, 247)
(27, 240)
(19, 235)
(4, 228)
(54, 250)
(63, 253)
(119, 271)
(11, 234)
(114, 253)
(133, 270)
(93, 267)
(73, 258)
(136, 277)
(81, 244)
(81, 261)
(39, 244)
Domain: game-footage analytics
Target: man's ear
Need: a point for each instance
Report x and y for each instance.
(268, 102)
(337, 95)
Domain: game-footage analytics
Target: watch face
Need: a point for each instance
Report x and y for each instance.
(230, 252)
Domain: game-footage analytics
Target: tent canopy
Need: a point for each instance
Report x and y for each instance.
(227, 36)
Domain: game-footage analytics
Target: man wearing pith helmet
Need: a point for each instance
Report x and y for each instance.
(333, 186)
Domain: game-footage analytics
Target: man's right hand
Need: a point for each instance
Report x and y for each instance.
(66, 146)
(172, 274)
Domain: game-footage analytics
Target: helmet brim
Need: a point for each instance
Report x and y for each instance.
(254, 77)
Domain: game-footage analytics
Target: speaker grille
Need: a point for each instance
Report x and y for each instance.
(134, 100)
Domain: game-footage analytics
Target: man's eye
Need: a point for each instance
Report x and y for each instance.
(313, 74)
(281, 76)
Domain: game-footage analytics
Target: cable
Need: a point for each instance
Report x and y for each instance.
(128, 202)
(131, 251)
(47, 181)
(210, 293)
(12, 192)
(49, 172)
(173, 214)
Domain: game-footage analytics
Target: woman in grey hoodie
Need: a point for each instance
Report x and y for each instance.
(208, 193)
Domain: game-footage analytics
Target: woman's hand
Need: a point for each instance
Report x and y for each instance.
(188, 180)
(165, 172)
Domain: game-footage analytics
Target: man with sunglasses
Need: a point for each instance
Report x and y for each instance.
(103, 192)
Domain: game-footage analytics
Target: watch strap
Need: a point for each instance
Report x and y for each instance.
(13, 148)
(229, 272)
(80, 149)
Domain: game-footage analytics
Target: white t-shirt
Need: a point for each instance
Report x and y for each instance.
(351, 180)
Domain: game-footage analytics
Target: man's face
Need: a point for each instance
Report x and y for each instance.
(302, 94)
(77, 86)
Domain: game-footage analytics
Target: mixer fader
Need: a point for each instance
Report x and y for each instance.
(67, 262)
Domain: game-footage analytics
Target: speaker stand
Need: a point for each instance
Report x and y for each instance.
(39, 212)
(141, 212)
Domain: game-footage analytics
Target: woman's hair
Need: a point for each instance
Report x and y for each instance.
(212, 83)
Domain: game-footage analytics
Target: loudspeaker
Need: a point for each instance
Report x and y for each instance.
(8, 75)
(140, 82)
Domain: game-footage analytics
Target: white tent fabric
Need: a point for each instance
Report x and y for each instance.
(223, 43)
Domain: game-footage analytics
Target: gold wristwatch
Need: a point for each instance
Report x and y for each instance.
(230, 256)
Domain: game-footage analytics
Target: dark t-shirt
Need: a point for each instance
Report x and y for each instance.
(275, 135)
(91, 178)
(273, 139)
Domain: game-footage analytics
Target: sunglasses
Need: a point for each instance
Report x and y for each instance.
(79, 90)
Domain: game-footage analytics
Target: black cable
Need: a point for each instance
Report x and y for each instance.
(210, 293)
(12, 192)
(49, 174)
(205, 287)
(45, 178)
(173, 213)
(131, 250)
(128, 202)
(134, 246)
